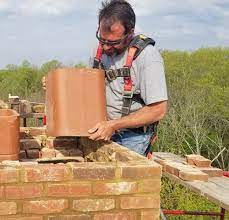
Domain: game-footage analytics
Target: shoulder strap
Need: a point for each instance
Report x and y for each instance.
(141, 42)
(97, 60)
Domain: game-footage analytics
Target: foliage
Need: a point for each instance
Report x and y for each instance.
(25, 80)
(198, 116)
(177, 197)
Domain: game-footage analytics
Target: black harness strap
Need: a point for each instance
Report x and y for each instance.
(113, 74)
(141, 42)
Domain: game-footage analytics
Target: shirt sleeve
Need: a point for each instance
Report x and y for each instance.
(153, 86)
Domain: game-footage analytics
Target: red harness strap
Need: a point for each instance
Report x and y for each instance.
(99, 53)
(128, 84)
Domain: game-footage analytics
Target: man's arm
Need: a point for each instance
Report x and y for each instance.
(145, 116)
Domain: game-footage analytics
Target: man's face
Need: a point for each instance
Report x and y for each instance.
(117, 33)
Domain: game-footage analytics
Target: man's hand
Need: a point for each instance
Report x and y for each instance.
(102, 131)
(43, 81)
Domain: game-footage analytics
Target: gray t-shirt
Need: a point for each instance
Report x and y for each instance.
(147, 73)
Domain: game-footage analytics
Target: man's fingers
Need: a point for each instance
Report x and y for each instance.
(94, 129)
(95, 137)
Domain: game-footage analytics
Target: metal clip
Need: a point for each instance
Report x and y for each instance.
(128, 94)
(110, 74)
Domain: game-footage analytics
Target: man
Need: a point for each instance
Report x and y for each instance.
(133, 128)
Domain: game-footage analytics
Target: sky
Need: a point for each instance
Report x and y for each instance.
(43, 30)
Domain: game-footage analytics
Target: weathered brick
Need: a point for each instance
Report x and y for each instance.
(198, 160)
(191, 176)
(47, 152)
(8, 208)
(115, 188)
(45, 207)
(31, 131)
(140, 202)
(116, 216)
(45, 173)
(93, 205)
(24, 218)
(61, 142)
(33, 153)
(70, 217)
(139, 171)
(212, 171)
(95, 171)
(40, 108)
(9, 175)
(150, 215)
(153, 186)
(10, 163)
(128, 156)
(26, 144)
(22, 154)
(69, 190)
(23, 191)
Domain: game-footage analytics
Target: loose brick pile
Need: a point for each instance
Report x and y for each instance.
(194, 167)
(116, 184)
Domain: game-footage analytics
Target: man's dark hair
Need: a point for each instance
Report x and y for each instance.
(117, 11)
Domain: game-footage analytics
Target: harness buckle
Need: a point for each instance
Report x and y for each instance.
(110, 74)
(128, 94)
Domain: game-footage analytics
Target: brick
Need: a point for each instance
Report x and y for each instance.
(93, 205)
(75, 152)
(175, 167)
(45, 173)
(26, 144)
(115, 188)
(24, 191)
(140, 202)
(61, 143)
(95, 171)
(116, 216)
(70, 217)
(69, 190)
(8, 208)
(47, 152)
(11, 163)
(151, 186)
(61, 152)
(128, 156)
(1, 192)
(38, 108)
(198, 160)
(45, 207)
(139, 171)
(212, 171)
(161, 162)
(9, 175)
(24, 218)
(191, 176)
(31, 131)
(22, 155)
(33, 153)
(25, 107)
(150, 215)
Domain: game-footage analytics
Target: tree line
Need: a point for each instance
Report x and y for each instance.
(198, 86)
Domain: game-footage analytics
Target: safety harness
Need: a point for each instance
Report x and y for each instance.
(136, 46)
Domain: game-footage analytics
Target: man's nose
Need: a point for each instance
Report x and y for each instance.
(107, 47)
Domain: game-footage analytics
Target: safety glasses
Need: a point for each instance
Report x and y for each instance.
(108, 42)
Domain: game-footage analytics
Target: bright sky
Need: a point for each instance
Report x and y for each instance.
(42, 30)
